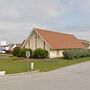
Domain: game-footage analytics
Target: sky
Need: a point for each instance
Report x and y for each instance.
(19, 17)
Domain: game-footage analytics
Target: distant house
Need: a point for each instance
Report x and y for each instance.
(53, 42)
(6, 48)
(85, 43)
(12, 46)
(3, 46)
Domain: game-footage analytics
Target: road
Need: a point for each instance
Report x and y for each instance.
(75, 77)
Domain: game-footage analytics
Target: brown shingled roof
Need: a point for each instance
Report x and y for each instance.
(57, 40)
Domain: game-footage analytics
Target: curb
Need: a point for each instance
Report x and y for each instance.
(24, 73)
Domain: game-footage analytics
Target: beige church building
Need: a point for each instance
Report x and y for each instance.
(53, 42)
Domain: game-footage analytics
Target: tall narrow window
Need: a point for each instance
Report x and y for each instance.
(44, 44)
(57, 52)
(35, 40)
(29, 44)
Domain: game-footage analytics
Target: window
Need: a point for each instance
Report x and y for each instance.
(35, 40)
(29, 44)
(44, 44)
(57, 52)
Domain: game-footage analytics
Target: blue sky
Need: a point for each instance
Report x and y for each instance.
(18, 17)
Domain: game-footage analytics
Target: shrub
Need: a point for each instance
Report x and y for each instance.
(88, 52)
(76, 53)
(16, 51)
(69, 54)
(22, 52)
(40, 53)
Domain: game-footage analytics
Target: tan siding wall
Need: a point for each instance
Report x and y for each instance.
(40, 43)
(30, 43)
(56, 53)
(89, 46)
(27, 45)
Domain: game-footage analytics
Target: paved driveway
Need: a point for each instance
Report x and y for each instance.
(75, 77)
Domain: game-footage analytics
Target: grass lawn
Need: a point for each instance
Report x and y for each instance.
(16, 65)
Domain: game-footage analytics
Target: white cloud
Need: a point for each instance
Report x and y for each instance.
(18, 17)
(83, 35)
(42, 9)
(79, 5)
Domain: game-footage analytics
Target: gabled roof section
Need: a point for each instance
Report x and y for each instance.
(85, 42)
(57, 40)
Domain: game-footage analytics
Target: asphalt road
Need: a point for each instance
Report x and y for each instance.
(75, 77)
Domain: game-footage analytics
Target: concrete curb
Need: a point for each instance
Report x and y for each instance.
(24, 73)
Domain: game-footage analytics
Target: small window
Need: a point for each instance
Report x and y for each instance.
(57, 52)
(35, 40)
(44, 44)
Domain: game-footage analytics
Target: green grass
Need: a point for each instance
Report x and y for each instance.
(16, 65)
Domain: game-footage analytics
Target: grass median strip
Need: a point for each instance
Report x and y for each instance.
(16, 65)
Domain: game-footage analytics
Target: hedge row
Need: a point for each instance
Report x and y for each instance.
(76, 53)
(38, 53)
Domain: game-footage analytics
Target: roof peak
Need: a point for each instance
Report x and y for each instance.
(51, 31)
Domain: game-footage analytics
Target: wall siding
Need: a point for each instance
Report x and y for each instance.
(53, 53)
(40, 43)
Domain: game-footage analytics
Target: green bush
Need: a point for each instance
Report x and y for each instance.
(16, 51)
(88, 52)
(40, 53)
(76, 53)
(21, 52)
